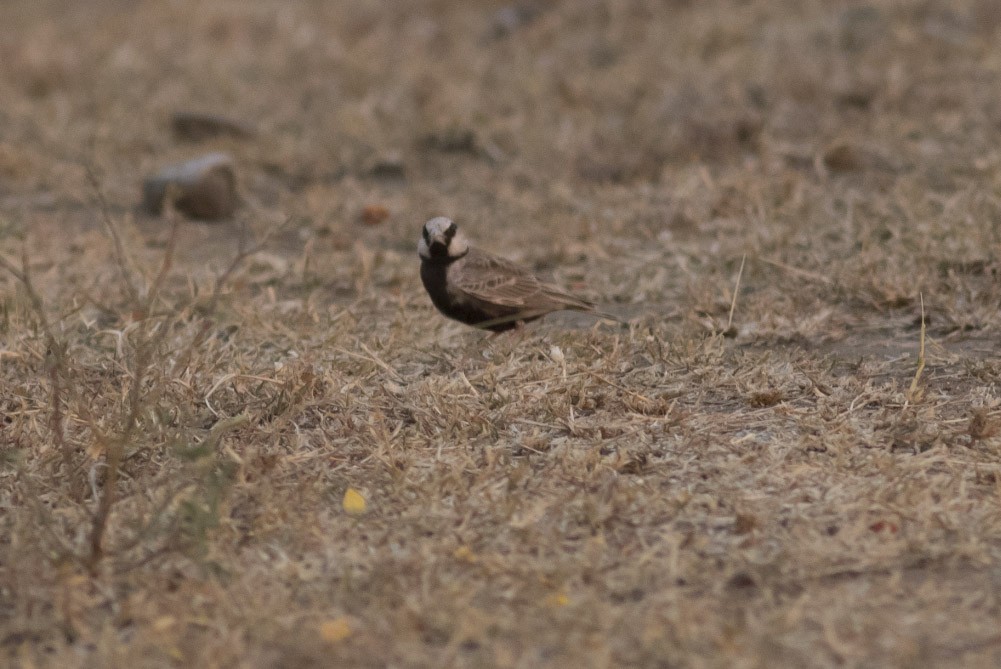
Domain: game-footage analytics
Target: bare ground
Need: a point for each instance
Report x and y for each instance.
(292, 460)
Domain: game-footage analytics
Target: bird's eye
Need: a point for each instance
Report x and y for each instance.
(424, 233)
(450, 232)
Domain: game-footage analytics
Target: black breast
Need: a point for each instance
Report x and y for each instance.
(434, 277)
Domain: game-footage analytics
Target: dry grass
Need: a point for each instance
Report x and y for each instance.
(755, 472)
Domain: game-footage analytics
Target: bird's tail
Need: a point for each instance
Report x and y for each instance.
(607, 316)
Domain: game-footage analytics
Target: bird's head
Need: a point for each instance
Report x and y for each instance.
(441, 240)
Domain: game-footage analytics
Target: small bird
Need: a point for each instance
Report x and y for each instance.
(482, 290)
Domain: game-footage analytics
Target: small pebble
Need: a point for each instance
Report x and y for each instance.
(843, 158)
(388, 167)
(197, 126)
(374, 214)
(450, 139)
(203, 188)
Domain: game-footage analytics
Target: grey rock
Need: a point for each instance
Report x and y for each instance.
(202, 188)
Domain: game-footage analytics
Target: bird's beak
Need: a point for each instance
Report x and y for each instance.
(439, 245)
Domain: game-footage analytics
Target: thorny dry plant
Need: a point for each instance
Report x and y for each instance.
(788, 458)
(162, 514)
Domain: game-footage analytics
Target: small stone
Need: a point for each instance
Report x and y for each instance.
(743, 523)
(741, 581)
(451, 139)
(197, 126)
(843, 158)
(388, 167)
(202, 188)
(856, 98)
(374, 214)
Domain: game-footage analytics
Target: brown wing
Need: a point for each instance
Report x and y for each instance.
(490, 279)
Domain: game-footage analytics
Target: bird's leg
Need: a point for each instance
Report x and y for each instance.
(517, 335)
(519, 326)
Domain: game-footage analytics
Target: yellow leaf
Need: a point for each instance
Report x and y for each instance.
(557, 599)
(465, 554)
(353, 502)
(164, 623)
(335, 629)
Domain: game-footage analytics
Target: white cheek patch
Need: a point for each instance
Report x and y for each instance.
(457, 247)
